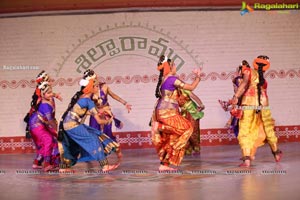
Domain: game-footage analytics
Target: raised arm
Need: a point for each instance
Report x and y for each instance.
(195, 83)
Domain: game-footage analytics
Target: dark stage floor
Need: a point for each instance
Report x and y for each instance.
(213, 175)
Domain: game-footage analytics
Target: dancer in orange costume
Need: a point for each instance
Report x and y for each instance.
(170, 130)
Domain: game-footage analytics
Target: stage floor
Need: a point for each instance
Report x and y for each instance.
(213, 175)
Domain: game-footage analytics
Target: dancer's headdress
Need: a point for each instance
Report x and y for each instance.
(88, 81)
(42, 76)
(261, 61)
(164, 63)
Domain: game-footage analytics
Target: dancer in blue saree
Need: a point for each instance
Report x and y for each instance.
(80, 142)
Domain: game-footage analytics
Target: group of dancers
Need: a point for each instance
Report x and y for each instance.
(61, 145)
(175, 127)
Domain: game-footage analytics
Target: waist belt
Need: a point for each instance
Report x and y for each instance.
(168, 99)
(75, 116)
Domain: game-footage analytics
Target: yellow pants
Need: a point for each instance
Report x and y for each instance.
(249, 131)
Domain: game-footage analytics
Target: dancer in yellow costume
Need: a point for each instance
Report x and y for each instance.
(256, 111)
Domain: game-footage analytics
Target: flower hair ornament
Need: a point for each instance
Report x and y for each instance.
(164, 64)
(42, 76)
(89, 74)
(88, 81)
(261, 61)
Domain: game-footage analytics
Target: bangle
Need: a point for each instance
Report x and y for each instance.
(125, 103)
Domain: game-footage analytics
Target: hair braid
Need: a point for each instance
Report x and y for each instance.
(260, 83)
(157, 90)
(70, 106)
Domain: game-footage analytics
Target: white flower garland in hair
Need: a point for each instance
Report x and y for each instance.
(165, 60)
(83, 82)
(42, 76)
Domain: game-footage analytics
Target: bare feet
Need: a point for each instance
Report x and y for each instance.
(35, 166)
(245, 163)
(48, 168)
(277, 155)
(251, 158)
(66, 171)
(166, 168)
(107, 168)
(119, 155)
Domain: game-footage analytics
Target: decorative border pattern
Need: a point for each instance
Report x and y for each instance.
(136, 79)
(142, 139)
(16, 145)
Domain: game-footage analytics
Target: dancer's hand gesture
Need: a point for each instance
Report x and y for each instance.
(197, 72)
(128, 107)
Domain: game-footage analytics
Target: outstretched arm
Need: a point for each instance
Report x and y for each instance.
(119, 99)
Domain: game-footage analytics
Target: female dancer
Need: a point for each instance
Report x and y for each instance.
(81, 142)
(104, 110)
(41, 77)
(256, 111)
(36, 99)
(170, 130)
(43, 129)
(233, 122)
